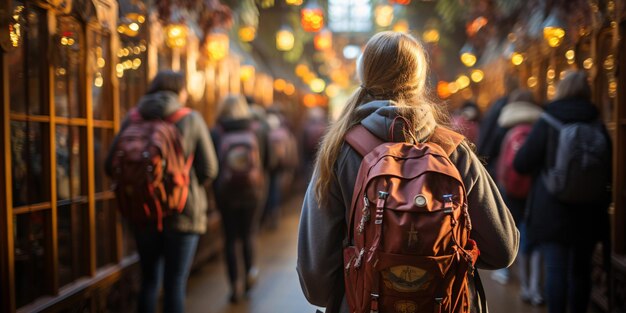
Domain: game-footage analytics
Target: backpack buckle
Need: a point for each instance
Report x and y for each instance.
(374, 303)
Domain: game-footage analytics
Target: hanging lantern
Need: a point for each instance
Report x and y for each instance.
(400, 2)
(247, 33)
(312, 17)
(323, 40)
(246, 72)
(553, 30)
(217, 46)
(468, 57)
(176, 35)
(285, 39)
(383, 15)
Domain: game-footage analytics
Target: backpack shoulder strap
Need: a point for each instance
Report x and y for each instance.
(362, 140)
(552, 121)
(178, 115)
(447, 139)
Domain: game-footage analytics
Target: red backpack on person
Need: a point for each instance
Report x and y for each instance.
(515, 185)
(408, 234)
(241, 175)
(150, 170)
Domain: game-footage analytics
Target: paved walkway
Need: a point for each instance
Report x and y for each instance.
(278, 289)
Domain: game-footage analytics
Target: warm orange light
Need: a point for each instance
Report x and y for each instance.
(217, 45)
(431, 36)
(290, 89)
(247, 33)
(280, 84)
(246, 72)
(553, 35)
(468, 59)
(176, 35)
(517, 58)
(443, 90)
(477, 76)
(476, 25)
(312, 19)
(400, 2)
(310, 100)
(383, 15)
(402, 26)
(285, 39)
(294, 2)
(301, 70)
(323, 40)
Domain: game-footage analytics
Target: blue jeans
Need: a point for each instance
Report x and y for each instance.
(164, 256)
(568, 276)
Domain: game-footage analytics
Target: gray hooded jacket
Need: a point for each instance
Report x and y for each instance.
(322, 229)
(196, 140)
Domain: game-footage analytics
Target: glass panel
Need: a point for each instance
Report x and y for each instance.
(102, 142)
(105, 232)
(67, 77)
(17, 63)
(30, 256)
(73, 242)
(133, 82)
(71, 153)
(28, 169)
(25, 61)
(99, 58)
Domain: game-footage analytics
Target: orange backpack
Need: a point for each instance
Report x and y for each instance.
(408, 234)
(150, 171)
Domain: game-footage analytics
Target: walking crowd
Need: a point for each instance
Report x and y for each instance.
(404, 202)
(168, 167)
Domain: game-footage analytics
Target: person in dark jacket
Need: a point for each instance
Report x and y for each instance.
(567, 233)
(520, 111)
(167, 256)
(490, 134)
(393, 71)
(240, 208)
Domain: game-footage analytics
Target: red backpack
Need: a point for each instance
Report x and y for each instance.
(241, 170)
(515, 185)
(283, 148)
(150, 171)
(408, 235)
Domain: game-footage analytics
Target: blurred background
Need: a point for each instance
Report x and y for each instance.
(71, 70)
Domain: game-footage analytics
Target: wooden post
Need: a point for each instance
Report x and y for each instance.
(7, 273)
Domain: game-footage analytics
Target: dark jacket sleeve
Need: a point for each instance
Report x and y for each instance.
(493, 227)
(108, 162)
(322, 229)
(205, 160)
(531, 156)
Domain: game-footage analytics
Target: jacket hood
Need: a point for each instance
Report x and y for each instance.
(573, 110)
(519, 112)
(158, 105)
(383, 119)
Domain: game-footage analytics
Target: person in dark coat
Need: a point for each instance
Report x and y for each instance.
(240, 209)
(167, 256)
(566, 233)
(490, 134)
(520, 111)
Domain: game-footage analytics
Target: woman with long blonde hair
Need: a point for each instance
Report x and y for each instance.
(393, 72)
